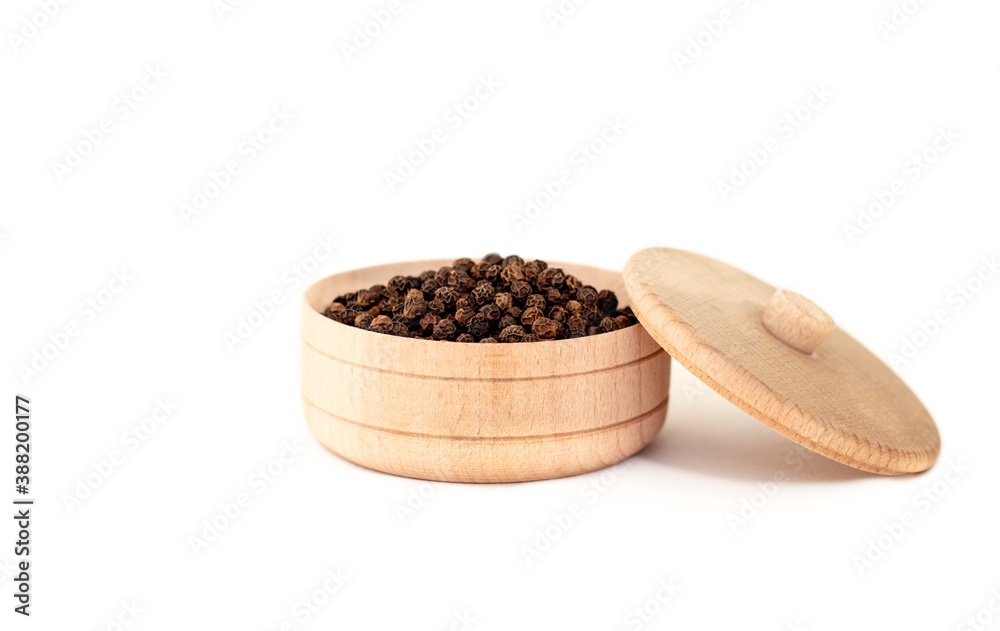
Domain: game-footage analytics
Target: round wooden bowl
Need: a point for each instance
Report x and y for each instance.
(461, 412)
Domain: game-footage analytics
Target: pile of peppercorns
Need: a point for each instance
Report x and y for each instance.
(495, 300)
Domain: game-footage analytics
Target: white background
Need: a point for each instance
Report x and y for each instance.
(668, 516)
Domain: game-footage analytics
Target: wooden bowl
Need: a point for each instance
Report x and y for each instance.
(460, 412)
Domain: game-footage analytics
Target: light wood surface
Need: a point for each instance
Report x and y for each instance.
(840, 400)
(478, 412)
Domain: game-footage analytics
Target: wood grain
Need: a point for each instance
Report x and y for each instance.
(840, 401)
(478, 412)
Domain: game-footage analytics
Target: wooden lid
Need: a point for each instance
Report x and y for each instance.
(781, 359)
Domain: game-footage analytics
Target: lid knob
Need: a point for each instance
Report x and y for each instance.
(797, 321)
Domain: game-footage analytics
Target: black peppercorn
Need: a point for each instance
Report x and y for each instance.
(368, 298)
(436, 306)
(492, 273)
(587, 295)
(511, 273)
(483, 293)
(399, 284)
(465, 337)
(535, 300)
(398, 328)
(478, 270)
(363, 320)
(607, 325)
(555, 296)
(446, 295)
(336, 311)
(551, 277)
(427, 323)
(530, 315)
(430, 286)
(545, 328)
(490, 311)
(392, 305)
(531, 269)
(414, 306)
(607, 301)
(520, 290)
(461, 281)
(445, 330)
(512, 333)
(441, 276)
(464, 315)
(479, 326)
(503, 300)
